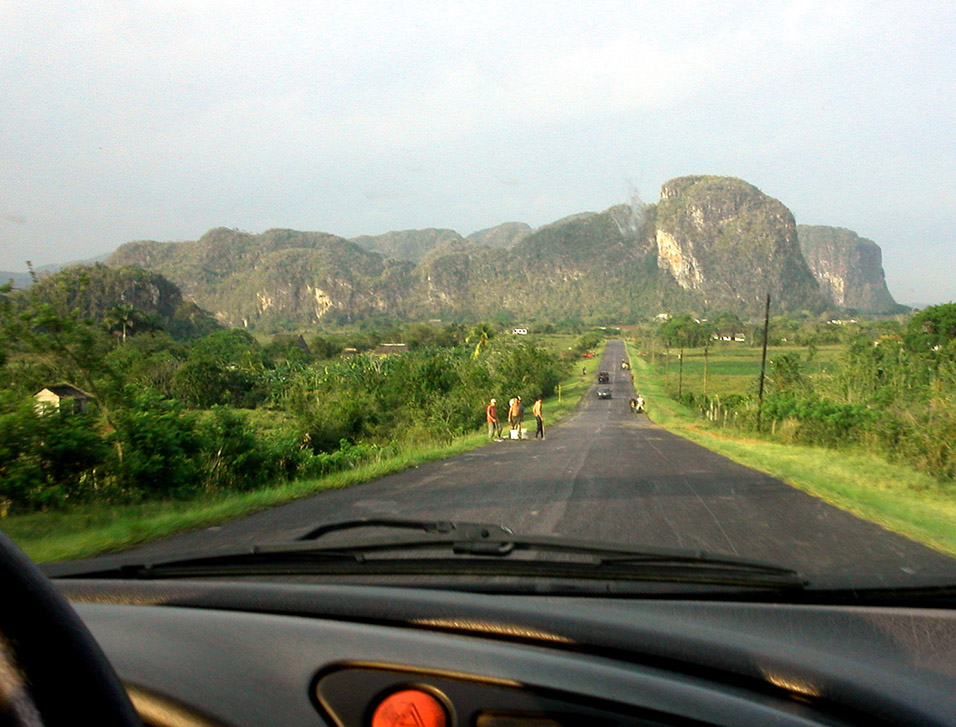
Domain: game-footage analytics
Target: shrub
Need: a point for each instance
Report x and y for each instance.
(48, 458)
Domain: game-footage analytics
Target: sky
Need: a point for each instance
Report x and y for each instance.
(132, 120)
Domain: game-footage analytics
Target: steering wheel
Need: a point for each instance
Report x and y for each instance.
(50, 666)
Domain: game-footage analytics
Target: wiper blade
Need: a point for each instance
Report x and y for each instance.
(478, 549)
(500, 540)
(470, 537)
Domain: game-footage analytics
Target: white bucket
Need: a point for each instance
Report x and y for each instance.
(524, 433)
(515, 433)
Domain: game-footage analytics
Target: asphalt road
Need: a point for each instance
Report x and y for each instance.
(606, 474)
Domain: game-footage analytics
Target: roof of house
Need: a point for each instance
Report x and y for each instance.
(66, 391)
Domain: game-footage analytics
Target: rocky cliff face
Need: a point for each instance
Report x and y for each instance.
(712, 244)
(728, 243)
(849, 268)
(278, 277)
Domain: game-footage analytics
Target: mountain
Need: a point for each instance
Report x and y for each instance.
(849, 268)
(416, 245)
(592, 265)
(731, 244)
(279, 277)
(711, 244)
(410, 245)
(501, 236)
(102, 292)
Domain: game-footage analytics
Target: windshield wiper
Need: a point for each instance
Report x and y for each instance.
(460, 549)
(477, 538)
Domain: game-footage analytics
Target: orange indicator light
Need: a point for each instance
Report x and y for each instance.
(410, 708)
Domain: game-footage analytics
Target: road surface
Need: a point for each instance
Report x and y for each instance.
(605, 474)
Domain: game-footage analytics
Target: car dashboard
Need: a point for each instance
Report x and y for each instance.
(256, 653)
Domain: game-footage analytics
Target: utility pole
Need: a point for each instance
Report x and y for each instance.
(763, 360)
(680, 373)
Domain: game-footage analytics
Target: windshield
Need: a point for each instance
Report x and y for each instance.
(636, 275)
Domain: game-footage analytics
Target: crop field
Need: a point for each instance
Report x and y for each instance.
(734, 369)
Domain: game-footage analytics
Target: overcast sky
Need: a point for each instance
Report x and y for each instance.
(160, 120)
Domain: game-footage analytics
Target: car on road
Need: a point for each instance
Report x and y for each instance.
(604, 392)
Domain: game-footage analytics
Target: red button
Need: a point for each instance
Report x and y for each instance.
(410, 708)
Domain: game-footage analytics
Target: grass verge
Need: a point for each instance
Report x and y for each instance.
(89, 530)
(899, 498)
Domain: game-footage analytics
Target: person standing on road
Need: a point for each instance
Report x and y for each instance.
(491, 416)
(538, 417)
(513, 412)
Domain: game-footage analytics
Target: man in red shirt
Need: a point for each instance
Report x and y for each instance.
(494, 426)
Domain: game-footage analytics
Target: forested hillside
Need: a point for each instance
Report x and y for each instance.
(711, 244)
(124, 299)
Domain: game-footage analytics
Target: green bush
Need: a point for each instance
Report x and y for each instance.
(48, 458)
(159, 452)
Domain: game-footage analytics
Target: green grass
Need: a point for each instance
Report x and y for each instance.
(89, 530)
(734, 368)
(899, 498)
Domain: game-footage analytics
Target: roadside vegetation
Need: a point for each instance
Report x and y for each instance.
(881, 394)
(160, 433)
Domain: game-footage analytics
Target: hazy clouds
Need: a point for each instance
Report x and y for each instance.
(130, 120)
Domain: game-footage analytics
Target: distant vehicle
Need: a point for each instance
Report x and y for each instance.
(604, 393)
(604, 377)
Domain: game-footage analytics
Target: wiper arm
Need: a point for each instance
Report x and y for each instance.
(488, 546)
(500, 540)
(478, 538)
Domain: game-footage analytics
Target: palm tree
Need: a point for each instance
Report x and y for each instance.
(122, 317)
(480, 333)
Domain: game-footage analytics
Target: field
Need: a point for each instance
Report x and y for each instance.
(728, 368)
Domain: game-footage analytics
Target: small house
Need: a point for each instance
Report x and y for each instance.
(51, 396)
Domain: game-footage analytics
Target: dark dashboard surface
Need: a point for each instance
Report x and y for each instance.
(267, 654)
